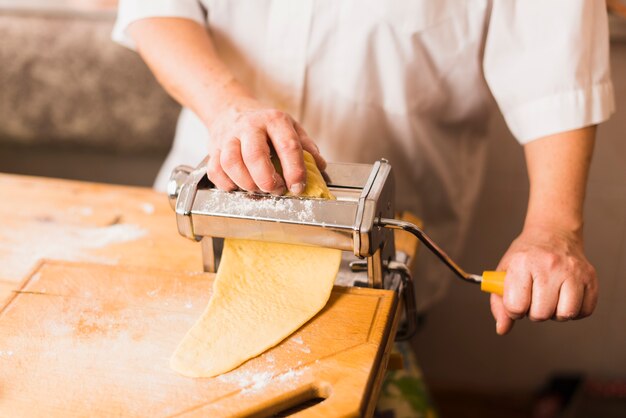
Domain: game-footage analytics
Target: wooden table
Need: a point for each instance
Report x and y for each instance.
(99, 288)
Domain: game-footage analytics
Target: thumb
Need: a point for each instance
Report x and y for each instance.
(503, 323)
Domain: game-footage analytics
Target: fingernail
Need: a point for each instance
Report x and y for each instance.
(297, 188)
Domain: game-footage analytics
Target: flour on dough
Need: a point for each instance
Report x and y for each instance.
(262, 293)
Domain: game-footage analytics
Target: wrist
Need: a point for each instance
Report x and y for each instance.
(555, 211)
(227, 104)
(570, 225)
(223, 94)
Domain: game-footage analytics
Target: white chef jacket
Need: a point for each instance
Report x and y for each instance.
(411, 81)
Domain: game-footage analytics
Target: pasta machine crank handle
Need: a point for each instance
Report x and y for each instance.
(490, 281)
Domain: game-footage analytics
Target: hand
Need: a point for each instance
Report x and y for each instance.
(240, 149)
(548, 277)
(183, 58)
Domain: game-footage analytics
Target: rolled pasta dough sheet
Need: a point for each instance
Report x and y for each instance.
(262, 293)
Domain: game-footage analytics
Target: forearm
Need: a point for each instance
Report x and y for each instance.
(183, 58)
(558, 166)
(548, 275)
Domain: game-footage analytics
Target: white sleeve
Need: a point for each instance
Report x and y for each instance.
(547, 65)
(130, 11)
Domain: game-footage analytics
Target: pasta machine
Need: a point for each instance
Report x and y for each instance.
(360, 221)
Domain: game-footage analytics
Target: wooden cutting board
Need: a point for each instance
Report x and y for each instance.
(85, 339)
(45, 218)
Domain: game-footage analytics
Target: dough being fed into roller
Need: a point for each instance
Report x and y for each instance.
(262, 293)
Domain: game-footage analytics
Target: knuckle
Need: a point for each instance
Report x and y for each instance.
(275, 115)
(231, 143)
(575, 267)
(294, 173)
(551, 260)
(290, 145)
(588, 280)
(254, 154)
(592, 287)
(590, 277)
(297, 170)
(591, 274)
(230, 160)
(519, 261)
(541, 280)
(246, 123)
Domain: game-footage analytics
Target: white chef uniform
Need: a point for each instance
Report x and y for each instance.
(411, 81)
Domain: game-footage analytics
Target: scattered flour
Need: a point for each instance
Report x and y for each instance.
(25, 246)
(253, 206)
(306, 214)
(304, 348)
(247, 380)
(148, 208)
(259, 381)
(290, 374)
(81, 210)
(152, 293)
(251, 381)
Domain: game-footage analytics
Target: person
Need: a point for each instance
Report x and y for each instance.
(413, 81)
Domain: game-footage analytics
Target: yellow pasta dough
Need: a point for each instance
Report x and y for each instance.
(262, 293)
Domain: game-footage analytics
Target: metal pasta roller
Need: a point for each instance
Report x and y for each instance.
(360, 221)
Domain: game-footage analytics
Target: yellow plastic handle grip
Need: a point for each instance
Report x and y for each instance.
(493, 282)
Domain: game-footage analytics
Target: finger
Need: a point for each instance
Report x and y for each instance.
(256, 156)
(517, 289)
(570, 300)
(289, 150)
(216, 174)
(233, 165)
(590, 299)
(504, 324)
(545, 295)
(309, 145)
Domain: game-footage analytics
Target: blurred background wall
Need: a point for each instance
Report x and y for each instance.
(72, 103)
(75, 105)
